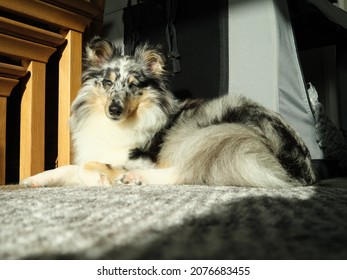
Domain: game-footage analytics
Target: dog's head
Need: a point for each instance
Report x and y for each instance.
(125, 86)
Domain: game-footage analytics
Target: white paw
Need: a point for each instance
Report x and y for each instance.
(36, 181)
(130, 178)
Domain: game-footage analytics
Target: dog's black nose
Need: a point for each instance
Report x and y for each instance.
(115, 109)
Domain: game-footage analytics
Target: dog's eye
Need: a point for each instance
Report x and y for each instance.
(133, 84)
(107, 82)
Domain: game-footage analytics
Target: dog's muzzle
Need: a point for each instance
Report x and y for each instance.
(115, 109)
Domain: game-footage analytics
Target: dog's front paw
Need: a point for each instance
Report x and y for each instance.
(130, 178)
(36, 181)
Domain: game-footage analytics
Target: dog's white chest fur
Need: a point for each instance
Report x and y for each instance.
(103, 140)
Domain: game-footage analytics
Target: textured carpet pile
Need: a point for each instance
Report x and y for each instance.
(174, 222)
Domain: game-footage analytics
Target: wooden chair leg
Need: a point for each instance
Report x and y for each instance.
(32, 130)
(70, 69)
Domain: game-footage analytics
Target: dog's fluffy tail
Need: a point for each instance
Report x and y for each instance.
(230, 154)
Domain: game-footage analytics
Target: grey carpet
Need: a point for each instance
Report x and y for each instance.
(174, 222)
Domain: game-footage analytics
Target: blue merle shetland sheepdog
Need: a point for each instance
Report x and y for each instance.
(127, 128)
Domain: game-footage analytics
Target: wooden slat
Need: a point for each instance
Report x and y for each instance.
(78, 6)
(6, 86)
(47, 13)
(31, 33)
(10, 70)
(70, 68)
(3, 102)
(32, 130)
(23, 49)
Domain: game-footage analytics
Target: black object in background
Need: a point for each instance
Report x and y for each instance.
(201, 46)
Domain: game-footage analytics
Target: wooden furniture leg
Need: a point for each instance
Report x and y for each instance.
(32, 130)
(70, 69)
(6, 86)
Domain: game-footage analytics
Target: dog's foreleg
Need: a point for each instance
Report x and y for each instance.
(65, 175)
(99, 174)
(88, 174)
(156, 176)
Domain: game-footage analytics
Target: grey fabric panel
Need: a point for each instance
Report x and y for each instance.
(293, 101)
(253, 47)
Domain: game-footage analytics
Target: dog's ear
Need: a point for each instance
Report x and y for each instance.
(151, 57)
(99, 51)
